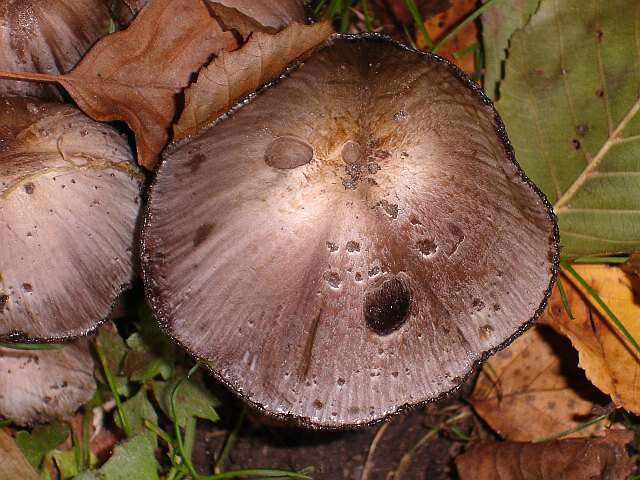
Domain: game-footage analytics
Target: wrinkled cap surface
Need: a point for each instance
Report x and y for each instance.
(37, 386)
(47, 36)
(69, 204)
(351, 240)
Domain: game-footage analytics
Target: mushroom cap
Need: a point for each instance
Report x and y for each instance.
(37, 386)
(48, 37)
(369, 266)
(69, 204)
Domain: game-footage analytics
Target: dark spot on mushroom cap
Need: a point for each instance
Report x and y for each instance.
(29, 187)
(4, 299)
(202, 233)
(195, 161)
(386, 304)
(427, 246)
(288, 152)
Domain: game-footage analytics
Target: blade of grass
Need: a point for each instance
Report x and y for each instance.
(181, 447)
(257, 472)
(565, 300)
(466, 50)
(345, 18)
(32, 346)
(230, 442)
(5, 423)
(114, 391)
(612, 316)
(615, 260)
(367, 16)
(409, 37)
(569, 431)
(470, 18)
(417, 18)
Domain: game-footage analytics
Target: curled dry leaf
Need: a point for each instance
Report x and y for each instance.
(536, 377)
(233, 75)
(572, 459)
(37, 386)
(69, 204)
(13, 464)
(47, 37)
(609, 361)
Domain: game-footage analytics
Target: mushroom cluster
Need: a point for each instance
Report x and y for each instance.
(350, 240)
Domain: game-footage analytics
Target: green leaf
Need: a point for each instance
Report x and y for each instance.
(44, 438)
(152, 353)
(193, 399)
(498, 24)
(115, 351)
(66, 461)
(570, 103)
(132, 459)
(137, 409)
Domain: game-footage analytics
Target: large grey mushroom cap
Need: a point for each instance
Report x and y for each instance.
(351, 240)
(69, 204)
(37, 386)
(48, 37)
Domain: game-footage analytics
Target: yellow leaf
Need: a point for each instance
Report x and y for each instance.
(609, 362)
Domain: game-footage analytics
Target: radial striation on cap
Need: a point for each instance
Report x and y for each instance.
(370, 264)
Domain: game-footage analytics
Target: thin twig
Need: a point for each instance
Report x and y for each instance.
(368, 464)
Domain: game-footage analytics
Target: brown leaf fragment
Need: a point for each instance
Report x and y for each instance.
(610, 363)
(536, 377)
(632, 265)
(571, 459)
(13, 464)
(233, 75)
(134, 75)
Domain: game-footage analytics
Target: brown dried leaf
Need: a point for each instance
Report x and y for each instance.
(134, 75)
(12, 463)
(535, 378)
(233, 75)
(439, 25)
(609, 362)
(572, 459)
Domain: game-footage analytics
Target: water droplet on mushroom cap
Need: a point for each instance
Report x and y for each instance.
(288, 152)
(376, 239)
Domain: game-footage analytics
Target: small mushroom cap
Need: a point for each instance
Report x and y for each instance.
(69, 204)
(340, 287)
(37, 386)
(48, 37)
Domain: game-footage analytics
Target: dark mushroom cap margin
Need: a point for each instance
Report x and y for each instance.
(351, 240)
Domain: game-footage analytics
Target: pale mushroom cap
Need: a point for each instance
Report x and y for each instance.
(38, 386)
(47, 36)
(69, 204)
(373, 275)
